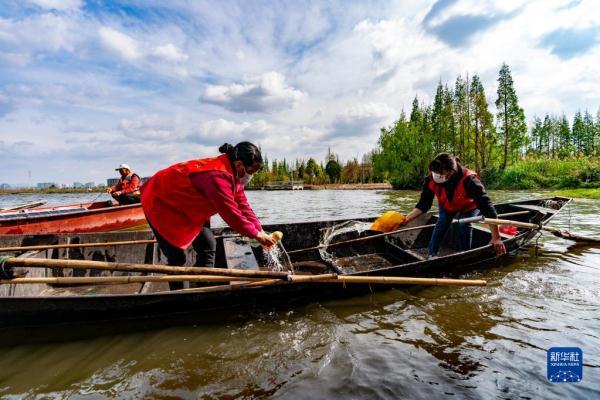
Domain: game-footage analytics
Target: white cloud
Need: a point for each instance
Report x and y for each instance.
(149, 127)
(40, 33)
(169, 52)
(267, 93)
(362, 120)
(119, 43)
(57, 4)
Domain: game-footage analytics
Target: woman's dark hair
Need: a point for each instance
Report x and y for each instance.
(245, 152)
(444, 162)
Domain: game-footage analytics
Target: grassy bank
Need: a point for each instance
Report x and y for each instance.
(547, 173)
(581, 193)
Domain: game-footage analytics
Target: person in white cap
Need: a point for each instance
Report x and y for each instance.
(127, 190)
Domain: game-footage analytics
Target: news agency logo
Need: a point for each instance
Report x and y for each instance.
(565, 364)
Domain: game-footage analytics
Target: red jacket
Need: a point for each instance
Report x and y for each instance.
(460, 201)
(129, 184)
(176, 209)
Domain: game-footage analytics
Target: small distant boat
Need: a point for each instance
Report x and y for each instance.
(72, 218)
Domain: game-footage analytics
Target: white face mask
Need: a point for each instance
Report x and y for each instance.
(246, 178)
(438, 178)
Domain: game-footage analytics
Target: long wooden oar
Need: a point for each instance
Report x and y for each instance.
(126, 279)
(562, 233)
(75, 245)
(148, 268)
(385, 280)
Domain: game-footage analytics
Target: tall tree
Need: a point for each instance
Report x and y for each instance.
(437, 118)
(511, 117)
(483, 124)
(461, 113)
(589, 133)
(578, 132)
(564, 133)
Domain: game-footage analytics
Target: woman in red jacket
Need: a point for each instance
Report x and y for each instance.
(179, 200)
(460, 194)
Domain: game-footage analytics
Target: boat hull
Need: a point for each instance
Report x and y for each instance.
(77, 218)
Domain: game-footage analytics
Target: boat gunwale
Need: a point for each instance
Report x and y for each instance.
(81, 211)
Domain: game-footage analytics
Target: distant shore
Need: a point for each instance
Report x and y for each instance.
(350, 186)
(588, 193)
(336, 186)
(52, 191)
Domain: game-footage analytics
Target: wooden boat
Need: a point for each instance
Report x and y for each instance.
(400, 254)
(72, 218)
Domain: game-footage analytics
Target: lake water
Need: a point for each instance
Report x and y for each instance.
(419, 342)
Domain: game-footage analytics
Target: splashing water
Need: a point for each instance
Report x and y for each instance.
(273, 259)
(331, 233)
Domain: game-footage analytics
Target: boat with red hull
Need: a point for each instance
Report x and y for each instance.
(73, 218)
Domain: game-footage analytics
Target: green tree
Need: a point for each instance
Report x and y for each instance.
(578, 132)
(333, 170)
(511, 117)
(564, 133)
(483, 125)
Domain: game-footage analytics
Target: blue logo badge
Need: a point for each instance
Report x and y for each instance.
(565, 364)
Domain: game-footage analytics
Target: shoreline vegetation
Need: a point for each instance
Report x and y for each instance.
(584, 193)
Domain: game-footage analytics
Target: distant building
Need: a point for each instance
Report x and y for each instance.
(46, 185)
(77, 185)
(111, 182)
(4, 186)
(89, 185)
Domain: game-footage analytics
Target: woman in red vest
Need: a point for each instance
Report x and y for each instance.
(179, 200)
(460, 194)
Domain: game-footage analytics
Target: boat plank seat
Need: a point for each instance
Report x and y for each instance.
(239, 254)
(528, 207)
(410, 253)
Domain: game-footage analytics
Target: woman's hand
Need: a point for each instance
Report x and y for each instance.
(498, 246)
(266, 240)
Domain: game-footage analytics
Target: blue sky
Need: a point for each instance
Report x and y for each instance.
(87, 85)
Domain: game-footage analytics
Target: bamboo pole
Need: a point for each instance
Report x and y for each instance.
(75, 245)
(126, 279)
(324, 278)
(397, 280)
(310, 278)
(148, 268)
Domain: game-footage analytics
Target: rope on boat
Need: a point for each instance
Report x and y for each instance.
(6, 272)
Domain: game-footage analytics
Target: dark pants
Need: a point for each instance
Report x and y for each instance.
(444, 224)
(204, 244)
(128, 198)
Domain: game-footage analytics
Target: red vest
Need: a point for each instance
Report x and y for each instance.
(128, 184)
(460, 201)
(174, 207)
